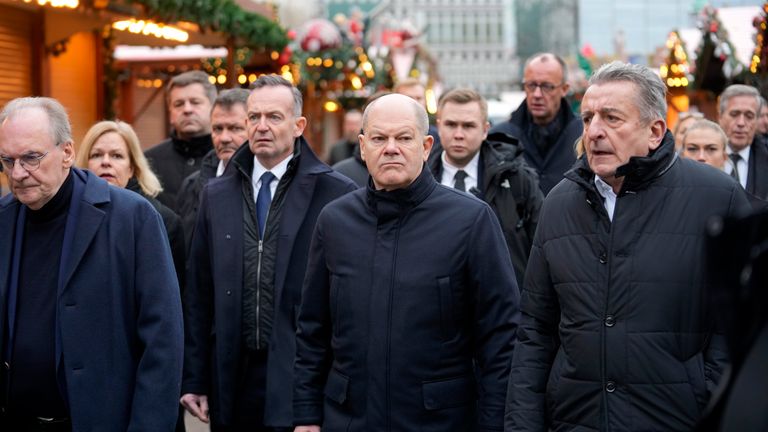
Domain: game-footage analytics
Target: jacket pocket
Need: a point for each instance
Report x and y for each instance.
(336, 387)
(447, 315)
(449, 393)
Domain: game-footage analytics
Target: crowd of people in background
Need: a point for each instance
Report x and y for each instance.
(543, 273)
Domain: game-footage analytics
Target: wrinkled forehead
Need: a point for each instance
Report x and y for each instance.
(26, 130)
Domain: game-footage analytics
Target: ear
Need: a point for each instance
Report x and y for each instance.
(486, 128)
(658, 129)
(361, 140)
(69, 153)
(298, 128)
(428, 141)
(564, 89)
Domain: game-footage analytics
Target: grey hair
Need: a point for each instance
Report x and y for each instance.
(651, 91)
(276, 81)
(231, 97)
(419, 113)
(544, 57)
(707, 124)
(739, 90)
(192, 77)
(60, 128)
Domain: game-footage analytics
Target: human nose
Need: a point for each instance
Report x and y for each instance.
(594, 129)
(261, 124)
(391, 147)
(17, 171)
(105, 160)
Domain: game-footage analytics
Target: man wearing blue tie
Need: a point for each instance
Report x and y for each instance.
(246, 266)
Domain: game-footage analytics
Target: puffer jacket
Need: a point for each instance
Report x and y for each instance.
(615, 333)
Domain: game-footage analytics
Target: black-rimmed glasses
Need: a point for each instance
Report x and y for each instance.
(530, 86)
(28, 162)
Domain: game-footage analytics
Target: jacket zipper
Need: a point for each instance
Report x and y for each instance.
(389, 328)
(258, 293)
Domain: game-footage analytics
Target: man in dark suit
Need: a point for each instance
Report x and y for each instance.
(544, 123)
(493, 170)
(189, 96)
(246, 266)
(90, 316)
(409, 306)
(738, 116)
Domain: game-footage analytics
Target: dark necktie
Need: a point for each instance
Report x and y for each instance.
(263, 200)
(459, 180)
(735, 158)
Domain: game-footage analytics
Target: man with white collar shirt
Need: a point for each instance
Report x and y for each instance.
(493, 169)
(738, 116)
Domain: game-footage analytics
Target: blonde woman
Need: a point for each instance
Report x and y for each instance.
(111, 150)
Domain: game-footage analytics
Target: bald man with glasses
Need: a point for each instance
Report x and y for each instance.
(545, 125)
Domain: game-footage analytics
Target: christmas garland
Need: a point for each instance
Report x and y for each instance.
(221, 16)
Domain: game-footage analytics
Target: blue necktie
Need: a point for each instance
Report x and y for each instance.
(263, 200)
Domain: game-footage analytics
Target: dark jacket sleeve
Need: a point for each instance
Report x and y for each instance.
(716, 357)
(188, 200)
(496, 312)
(533, 204)
(537, 344)
(175, 232)
(198, 309)
(160, 331)
(313, 337)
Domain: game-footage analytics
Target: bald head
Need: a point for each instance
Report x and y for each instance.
(394, 143)
(402, 102)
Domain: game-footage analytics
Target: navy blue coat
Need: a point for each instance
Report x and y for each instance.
(560, 158)
(118, 313)
(408, 314)
(213, 298)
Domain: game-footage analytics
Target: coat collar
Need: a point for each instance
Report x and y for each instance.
(637, 173)
(307, 160)
(391, 204)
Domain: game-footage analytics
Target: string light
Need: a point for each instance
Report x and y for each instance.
(149, 28)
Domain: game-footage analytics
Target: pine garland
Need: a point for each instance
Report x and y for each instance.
(223, 16)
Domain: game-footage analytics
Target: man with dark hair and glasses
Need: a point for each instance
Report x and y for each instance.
(91, 333)
(545, 124)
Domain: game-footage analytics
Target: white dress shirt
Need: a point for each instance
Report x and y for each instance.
(449, 172)
(743, 165)
(278, 171)
(609, 197)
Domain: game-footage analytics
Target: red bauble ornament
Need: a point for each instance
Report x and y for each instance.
(319, 35)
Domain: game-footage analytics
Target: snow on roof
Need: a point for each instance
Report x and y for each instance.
(181, 52)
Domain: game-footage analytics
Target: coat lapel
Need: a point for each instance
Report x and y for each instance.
(8, 212)
(296, 204)
(83, 222)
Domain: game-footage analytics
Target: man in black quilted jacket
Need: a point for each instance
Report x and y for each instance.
(616, 333)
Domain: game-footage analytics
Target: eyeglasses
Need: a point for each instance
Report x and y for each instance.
(28, 162)
(545, 87)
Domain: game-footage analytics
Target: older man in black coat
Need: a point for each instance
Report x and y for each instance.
(615, 331)
(409, 306)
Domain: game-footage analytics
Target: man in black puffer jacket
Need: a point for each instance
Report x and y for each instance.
(616, 333)
(492, 169)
